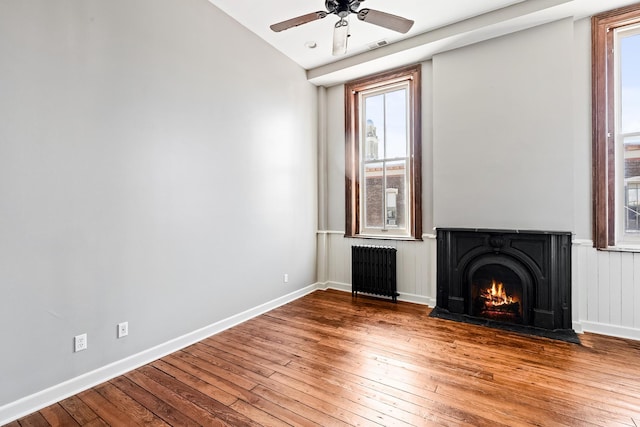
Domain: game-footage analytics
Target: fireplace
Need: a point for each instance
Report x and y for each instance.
(509, 279)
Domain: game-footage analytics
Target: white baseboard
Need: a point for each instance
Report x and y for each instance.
(577, 327)
(344, 287)
(416, 299)
(44, 398)
(611, 330)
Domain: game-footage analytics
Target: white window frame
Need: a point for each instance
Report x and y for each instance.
(385, 229)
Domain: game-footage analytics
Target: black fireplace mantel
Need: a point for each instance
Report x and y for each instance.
(543, 256)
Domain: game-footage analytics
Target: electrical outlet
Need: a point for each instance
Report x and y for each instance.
(286, 278)
(80, 342)
(123, 329)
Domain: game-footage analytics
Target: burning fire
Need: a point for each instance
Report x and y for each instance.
(496, 295)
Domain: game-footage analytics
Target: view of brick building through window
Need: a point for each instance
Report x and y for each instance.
(632, 187)
(394, 213)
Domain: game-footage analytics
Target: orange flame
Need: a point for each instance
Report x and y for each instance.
(497, 295)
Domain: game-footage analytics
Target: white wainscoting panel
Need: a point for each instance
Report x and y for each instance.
(606, 290)
(416, 264)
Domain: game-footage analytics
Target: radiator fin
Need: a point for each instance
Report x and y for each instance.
(373, 270)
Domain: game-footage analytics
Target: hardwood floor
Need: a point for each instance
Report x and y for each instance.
(327, 359)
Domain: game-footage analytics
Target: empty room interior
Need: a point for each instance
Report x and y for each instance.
(408, 212)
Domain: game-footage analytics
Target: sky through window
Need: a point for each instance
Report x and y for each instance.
(630, 83)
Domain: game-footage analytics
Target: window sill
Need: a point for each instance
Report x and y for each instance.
(387, 237)
(623, 248)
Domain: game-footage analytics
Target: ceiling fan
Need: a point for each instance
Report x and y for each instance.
(343, 8)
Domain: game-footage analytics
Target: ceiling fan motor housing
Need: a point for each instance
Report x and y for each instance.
(342, 8)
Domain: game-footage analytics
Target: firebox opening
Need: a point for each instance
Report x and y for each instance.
(497, 294)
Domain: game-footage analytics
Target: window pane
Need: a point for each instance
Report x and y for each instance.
(630, 83)
(396, 124)
(374, 127)
(632, 183)
(373, 195)
(396, 206)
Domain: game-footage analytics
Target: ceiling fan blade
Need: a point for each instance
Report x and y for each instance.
(294, 22)
(340, 37)
(386, 20)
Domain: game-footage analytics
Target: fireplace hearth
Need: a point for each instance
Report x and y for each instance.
(508, 279)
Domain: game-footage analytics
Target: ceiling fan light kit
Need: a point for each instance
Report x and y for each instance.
(340, 37)
(343, 8)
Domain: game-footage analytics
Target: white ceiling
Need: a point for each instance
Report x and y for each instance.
(439, 25)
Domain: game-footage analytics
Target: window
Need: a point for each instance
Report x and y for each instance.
(383, 155)
(616, 127)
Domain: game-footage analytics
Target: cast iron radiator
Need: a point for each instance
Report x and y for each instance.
(373, 270)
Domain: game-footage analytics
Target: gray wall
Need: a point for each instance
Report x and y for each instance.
(582, 128)
(157, 166)
(335, 157)
(503, 132)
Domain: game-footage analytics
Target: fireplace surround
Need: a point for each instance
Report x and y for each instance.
(509, 279)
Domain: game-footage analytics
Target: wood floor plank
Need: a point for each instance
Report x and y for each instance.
(254, 373)
(98, 422)
(351, 411)
(56, 415)
(232, 363)
(259, 416)
(194, 412)
(209, 366)
(196, 383)
(129, 406)
(329, 359)
(310, 414)
(105, 409)
(376, 391)
(375, 407)
(193, 396)
(199, 367)
(79, 410)
(154, 403)
(34, 420)
(343, 401)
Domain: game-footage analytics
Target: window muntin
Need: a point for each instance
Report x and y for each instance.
(616, 130)
(383, 147)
